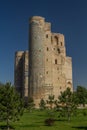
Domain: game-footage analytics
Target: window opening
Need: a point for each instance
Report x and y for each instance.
(61, 43)
(58, 50)
(46, 72)
(46, 35)
(47, 49)
(56, 40)
(55, 61)
(46, 59)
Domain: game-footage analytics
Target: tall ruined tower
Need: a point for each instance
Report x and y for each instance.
(36, 58)
(50, 70)
(45, 69)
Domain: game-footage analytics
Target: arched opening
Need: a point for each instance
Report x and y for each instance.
(56, 40)
(58, 50)
(55, 61)
(46, 35)
(47, 49)
(69, 84)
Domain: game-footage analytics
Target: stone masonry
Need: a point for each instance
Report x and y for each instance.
(21, 73)
(50, 70)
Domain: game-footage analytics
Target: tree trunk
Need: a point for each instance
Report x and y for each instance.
(68, 114)
(8, 124)
(68, 117)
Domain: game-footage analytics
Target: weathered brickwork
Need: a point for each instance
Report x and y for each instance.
(21, 73)
(50, 70)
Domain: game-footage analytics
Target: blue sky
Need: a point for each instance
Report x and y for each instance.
(67, 16)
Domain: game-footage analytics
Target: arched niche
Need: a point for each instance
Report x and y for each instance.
(56, 40)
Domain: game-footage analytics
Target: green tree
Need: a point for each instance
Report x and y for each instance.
(11, 106)
(50, 112)
(81, 95)
(31, 104)
(42, 104)
(51, 101)
(1, 84)
(68, 102)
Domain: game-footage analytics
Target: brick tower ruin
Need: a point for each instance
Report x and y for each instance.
(50, 70)
(44, 69)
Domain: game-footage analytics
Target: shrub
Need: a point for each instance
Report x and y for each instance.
(49, 121)
(84, 113)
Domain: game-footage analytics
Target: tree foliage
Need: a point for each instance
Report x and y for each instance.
(11, 106)
(1, 84)
(31, 104)
(68, 102)
(81, 95)
(51, 101)
(42, 104)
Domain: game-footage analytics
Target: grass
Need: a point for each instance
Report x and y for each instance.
(35, 121)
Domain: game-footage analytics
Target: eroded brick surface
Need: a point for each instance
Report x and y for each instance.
(50, 69)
